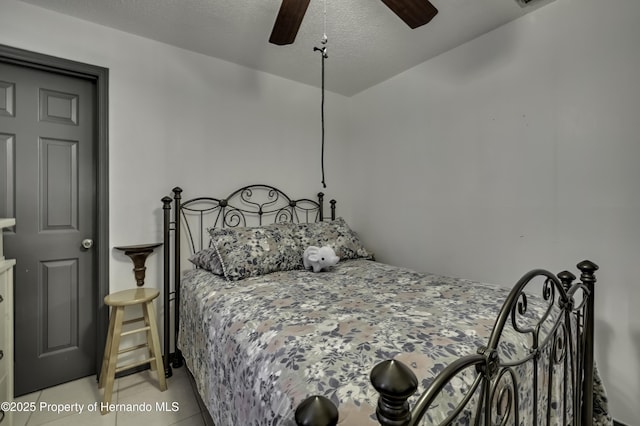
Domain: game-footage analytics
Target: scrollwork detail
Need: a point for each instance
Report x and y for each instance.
(585, 296)
(548, 290)
(521, 308)
(284, 215)
(233, 218)
(272, 196)
(504, 398)
(560, 344)
(504, 405)
(522, 304)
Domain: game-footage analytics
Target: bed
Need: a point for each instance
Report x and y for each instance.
(270, 343)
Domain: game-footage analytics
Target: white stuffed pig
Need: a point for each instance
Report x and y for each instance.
(319, 258)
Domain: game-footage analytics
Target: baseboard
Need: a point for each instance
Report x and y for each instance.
(617, 423)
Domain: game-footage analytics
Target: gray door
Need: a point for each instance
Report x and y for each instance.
(48, 182)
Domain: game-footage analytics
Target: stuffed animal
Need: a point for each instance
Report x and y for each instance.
(319, 258)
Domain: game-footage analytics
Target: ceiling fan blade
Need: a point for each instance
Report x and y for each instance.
(288, 21)
(414, 13)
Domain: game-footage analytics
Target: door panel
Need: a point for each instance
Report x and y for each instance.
(49, 146)
(7, 175)
(57, 107)
(58, 185)
(58, 297)
(7, 98)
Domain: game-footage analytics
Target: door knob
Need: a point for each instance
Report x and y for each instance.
(87, 243)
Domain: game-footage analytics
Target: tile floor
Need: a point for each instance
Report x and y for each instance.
(180, 406)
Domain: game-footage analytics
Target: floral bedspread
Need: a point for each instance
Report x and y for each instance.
(259, 346)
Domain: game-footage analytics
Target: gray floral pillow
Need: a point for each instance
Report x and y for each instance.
(335, 234)
(208, 260)
(249, 252)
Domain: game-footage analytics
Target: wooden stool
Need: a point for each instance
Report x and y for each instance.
(118, 301)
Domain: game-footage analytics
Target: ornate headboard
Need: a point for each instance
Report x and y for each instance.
(251, 205)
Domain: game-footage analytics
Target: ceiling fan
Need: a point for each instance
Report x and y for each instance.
(414, 13)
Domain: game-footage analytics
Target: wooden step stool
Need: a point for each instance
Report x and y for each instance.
(118, 301)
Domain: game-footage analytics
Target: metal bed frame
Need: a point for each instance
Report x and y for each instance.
(569, 343)
(248, 206)
(493, 397)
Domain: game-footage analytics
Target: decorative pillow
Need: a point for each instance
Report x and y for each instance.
(249, 252)
(208, 260)
(335, 234)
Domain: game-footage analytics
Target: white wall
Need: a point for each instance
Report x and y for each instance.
(517, 150)
(180, 118)
(177, 118)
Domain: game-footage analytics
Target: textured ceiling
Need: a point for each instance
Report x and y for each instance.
(367, 42)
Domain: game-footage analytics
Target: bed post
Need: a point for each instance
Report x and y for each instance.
(177, 356)
(587, 269)
(395, 382)
(321, 205)
(166, 212)
(333, 209)
(567, 279)
(316, 410)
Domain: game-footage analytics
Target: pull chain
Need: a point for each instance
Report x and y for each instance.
(323, 52)
(324, 24)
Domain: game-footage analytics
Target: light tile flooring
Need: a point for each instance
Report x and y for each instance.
(180, 403)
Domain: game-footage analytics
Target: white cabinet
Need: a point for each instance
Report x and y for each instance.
(6, 326)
